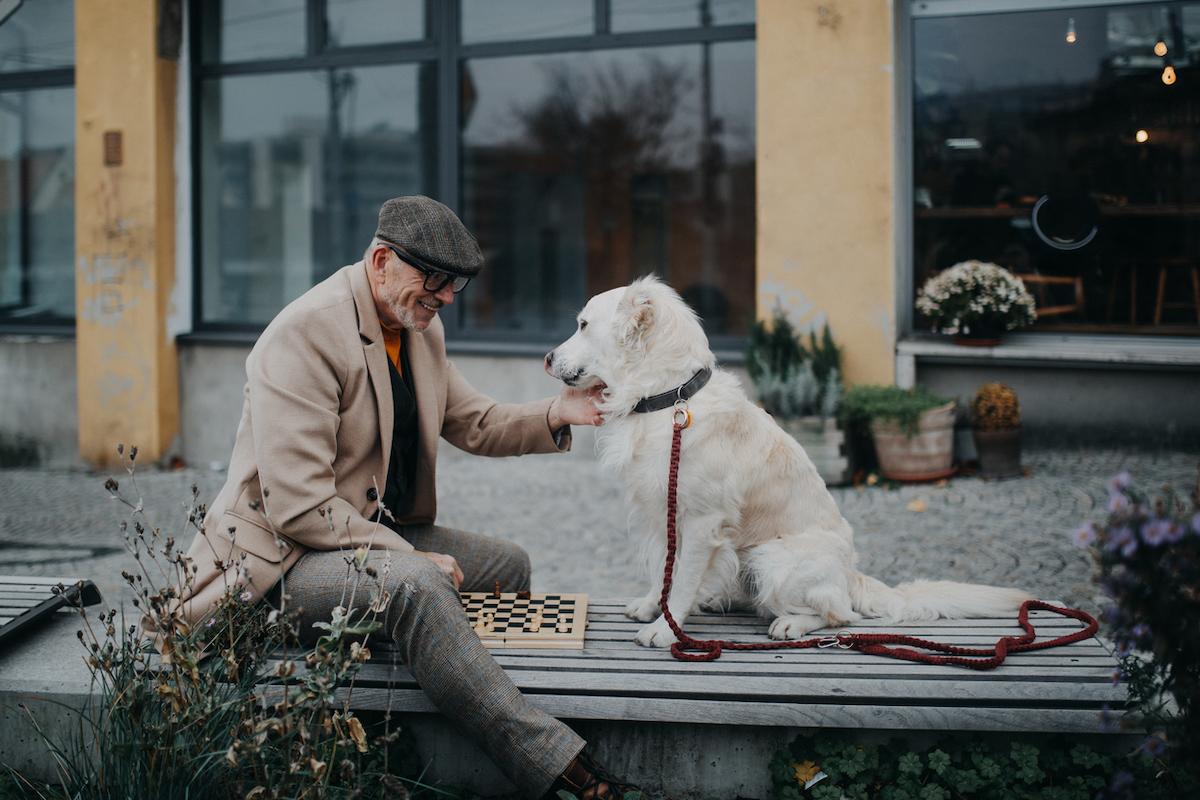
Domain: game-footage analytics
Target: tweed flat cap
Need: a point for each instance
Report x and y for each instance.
(431, 234)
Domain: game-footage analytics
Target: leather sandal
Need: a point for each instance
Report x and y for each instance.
(587, 780)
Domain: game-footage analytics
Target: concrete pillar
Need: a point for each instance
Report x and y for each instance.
(826, 248)
(127, 371)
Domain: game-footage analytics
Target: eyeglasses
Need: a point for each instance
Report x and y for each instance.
(435, 279)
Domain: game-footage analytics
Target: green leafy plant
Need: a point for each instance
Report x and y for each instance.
(867, 402)
(1147, 552)
(835, 766)
(792, 379)
(234, 707)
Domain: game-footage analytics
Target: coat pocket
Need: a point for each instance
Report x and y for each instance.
(254, 538)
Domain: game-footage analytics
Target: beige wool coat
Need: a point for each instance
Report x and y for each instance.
(315, 436)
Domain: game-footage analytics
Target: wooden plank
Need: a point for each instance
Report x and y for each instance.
(794, 687)
(800, 714)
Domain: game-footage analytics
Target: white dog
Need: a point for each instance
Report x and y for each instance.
(756, 525)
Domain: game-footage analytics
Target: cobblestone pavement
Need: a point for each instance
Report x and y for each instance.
(570, 516)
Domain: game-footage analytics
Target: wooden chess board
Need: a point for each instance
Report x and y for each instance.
(511, 619)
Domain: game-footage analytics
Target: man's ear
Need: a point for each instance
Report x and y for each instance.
(636, 315)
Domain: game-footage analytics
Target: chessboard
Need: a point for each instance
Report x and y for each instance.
(522, 619)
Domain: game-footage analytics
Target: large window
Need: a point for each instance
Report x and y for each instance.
(584, 143)
(37, 164)
(1065, 145)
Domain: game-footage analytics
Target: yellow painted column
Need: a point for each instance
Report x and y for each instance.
(826, 247)
(124, 231)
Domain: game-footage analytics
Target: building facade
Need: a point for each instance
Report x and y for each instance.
(173, 173)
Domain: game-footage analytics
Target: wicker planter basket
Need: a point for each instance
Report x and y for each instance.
(925, 456)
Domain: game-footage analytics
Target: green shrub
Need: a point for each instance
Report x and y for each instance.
(867, 402)
(790, 378)
(953, 768)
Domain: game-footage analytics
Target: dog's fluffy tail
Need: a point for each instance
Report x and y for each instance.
(925, 600)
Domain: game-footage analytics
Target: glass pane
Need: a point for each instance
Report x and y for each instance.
(644, 15)
(491, 21)
(582, 171)
(249, 30)
(37, 204)
(355, 22)
(40, 35)
(1050, 143)
(294, 169)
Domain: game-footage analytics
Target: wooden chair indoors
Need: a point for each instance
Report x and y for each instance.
(1040, 286)
(1189, 267)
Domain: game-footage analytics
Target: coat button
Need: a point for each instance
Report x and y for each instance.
(372, 495)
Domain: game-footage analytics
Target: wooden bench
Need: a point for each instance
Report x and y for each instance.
(709, 729)
(24, 601)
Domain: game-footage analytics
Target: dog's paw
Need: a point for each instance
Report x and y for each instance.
(643, 609)
(656, 634)
(794, 626)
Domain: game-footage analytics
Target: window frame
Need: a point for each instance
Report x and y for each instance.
(922, 344)
(32, 80)
(442, 46)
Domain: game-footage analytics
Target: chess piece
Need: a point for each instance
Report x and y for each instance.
(497, 592)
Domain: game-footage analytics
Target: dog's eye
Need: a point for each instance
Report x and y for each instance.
(582, 324)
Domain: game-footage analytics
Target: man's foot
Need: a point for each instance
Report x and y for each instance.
(588, 781)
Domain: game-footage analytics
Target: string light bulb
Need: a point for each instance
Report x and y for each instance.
(1160, 48)
(1071, 30)
(1142, 136)
(1168, 75)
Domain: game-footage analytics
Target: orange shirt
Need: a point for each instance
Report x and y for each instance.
(392, 341)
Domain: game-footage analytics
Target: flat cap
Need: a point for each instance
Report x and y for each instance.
(431, 234)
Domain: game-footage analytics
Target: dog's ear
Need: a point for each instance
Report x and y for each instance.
(636, 314)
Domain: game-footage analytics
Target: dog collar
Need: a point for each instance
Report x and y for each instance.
(667, 399)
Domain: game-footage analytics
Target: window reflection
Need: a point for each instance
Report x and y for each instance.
(39, 35)
(644, 15)
(37, 204)
(247, 30)
(491, 21)
(582, 171)
(1071, 162)
(294, 169)
(359, 22)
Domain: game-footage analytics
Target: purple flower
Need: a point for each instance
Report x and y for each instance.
(1122, 480)
(211, 621)
(1084, 535)
(1175, 531)
(1118, 503)
(1154, 746)
(246, 596)
(1141, 631)
(1196, 523)
(1119, 537)
(1155, 532)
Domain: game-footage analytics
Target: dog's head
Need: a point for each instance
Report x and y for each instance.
(635, 339)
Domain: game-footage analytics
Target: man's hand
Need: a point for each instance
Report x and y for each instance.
(446, 564)
(575, 406)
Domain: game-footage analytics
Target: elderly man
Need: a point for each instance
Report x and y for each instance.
(347, 392)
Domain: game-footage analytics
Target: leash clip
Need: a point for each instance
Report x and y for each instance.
(682, 416)
(839, 640)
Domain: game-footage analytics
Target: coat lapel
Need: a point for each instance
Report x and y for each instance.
(375, 353)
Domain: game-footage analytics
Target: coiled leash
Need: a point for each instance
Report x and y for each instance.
(687, 648)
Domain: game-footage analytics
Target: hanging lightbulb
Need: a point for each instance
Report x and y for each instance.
(1168, 75)
(1142, 136)
(1071, 30)
(1160, 48)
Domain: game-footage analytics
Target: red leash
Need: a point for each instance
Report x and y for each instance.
(876, 644)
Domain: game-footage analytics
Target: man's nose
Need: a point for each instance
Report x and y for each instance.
(445, 294)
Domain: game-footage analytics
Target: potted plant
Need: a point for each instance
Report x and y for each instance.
(800, 386)
(996, 414)
(976, 302)
(913, 429)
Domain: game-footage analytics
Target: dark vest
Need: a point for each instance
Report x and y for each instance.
(402, 466)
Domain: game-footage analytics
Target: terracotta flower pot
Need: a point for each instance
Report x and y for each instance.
(926, 455)
(999, 452)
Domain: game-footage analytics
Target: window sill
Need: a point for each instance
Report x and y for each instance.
(16, 333)
(1042, 349)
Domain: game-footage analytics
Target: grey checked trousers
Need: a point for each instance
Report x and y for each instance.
(426, 621)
